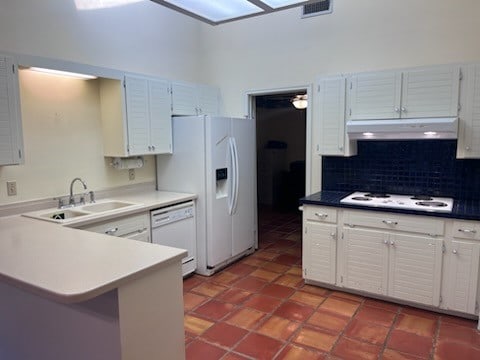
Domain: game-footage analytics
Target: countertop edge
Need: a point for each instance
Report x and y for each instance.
(89, 294)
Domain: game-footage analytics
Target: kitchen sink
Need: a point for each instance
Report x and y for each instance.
(80, 211)
(63, 214)
(106, 206)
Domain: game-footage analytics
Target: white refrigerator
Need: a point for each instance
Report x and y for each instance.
(215, 158)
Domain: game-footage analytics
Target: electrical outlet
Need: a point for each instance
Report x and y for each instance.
(11, 188)
(131, 174)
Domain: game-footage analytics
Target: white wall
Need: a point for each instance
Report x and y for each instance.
(141, 37)
(61, 118)
(282, 50)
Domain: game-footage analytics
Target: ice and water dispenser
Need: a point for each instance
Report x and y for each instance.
(221, 189)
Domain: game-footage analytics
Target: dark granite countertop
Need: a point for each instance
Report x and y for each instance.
(462, 208)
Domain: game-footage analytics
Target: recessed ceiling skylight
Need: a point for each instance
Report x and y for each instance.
(219, 11)
(281, 3)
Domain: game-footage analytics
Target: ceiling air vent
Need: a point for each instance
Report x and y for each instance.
(319, 7)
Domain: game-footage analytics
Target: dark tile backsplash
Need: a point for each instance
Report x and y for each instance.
(404, 167)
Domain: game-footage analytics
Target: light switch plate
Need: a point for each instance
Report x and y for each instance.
(11, 188)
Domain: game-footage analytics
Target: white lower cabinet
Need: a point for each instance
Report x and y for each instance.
(461, 270)
(319, 244)
(133, 227)
(365, 260)
(418, 259)
(320, 252)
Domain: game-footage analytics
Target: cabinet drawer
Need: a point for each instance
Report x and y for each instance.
(320, 213)
(466, 230)
(121, 226)
(408, 223)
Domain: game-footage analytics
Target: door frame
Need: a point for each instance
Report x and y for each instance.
(250, 110)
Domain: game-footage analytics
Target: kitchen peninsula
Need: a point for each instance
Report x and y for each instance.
(72, 294)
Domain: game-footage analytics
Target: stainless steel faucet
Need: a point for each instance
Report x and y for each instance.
(72, 198)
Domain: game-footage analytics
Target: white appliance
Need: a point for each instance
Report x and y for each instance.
(175, 226)
(215, 158)
(408, 202)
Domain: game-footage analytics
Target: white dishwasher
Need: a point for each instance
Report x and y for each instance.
(175, 226)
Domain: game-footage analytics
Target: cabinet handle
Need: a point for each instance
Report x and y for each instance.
(454, 251)
(403, 109)
(468, 231)
(392, 243)
(385, 242)
(340, 148)
(397, 110)
(390, 222)
(111, 231)
(149, 148)
(322, 216)
(467, 148)
(153, 147)
(333, 235)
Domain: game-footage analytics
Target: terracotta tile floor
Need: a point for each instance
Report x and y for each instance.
(260, 308)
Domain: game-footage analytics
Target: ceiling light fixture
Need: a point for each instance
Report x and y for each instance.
(216, 12)
(63, 73)
(300, 101)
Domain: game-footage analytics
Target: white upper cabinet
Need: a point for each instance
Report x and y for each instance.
(194, 99)
(469, 132)
(375, 95)
(329, 118)
(136, 116)
(11, 142)
(423, 92)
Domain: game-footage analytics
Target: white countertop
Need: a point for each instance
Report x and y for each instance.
(70, 265)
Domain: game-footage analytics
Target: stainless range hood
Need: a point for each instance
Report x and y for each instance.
(403, 129)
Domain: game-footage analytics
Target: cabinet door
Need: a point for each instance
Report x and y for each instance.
(462, 276)
(11, 144)
(160, 106)
(184, 98)
(415, 268)
(319, 252)
(469, 135)
(374, 95)
(138, 123)
(331, 116)
(366, 260)
(431, 92)
(208, 100)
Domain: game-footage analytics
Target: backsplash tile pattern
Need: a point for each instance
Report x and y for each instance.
(404, 167)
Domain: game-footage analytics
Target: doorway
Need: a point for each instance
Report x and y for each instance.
(281, 151)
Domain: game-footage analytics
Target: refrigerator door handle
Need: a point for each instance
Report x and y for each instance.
(231, 190)
(236, 175)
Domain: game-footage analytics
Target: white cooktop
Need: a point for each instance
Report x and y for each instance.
(408, 202)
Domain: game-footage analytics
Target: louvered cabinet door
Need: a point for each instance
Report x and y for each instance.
(469, 132)
(138, 123)
(330, 116)
(462, 276)
(366, 260)
(430, 92)
(374, 95)
(319, 252)
(11, 144)
(160, 106)
(415, 268)
(184, 98)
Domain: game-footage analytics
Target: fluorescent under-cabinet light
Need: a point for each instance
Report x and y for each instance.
(63, 73)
